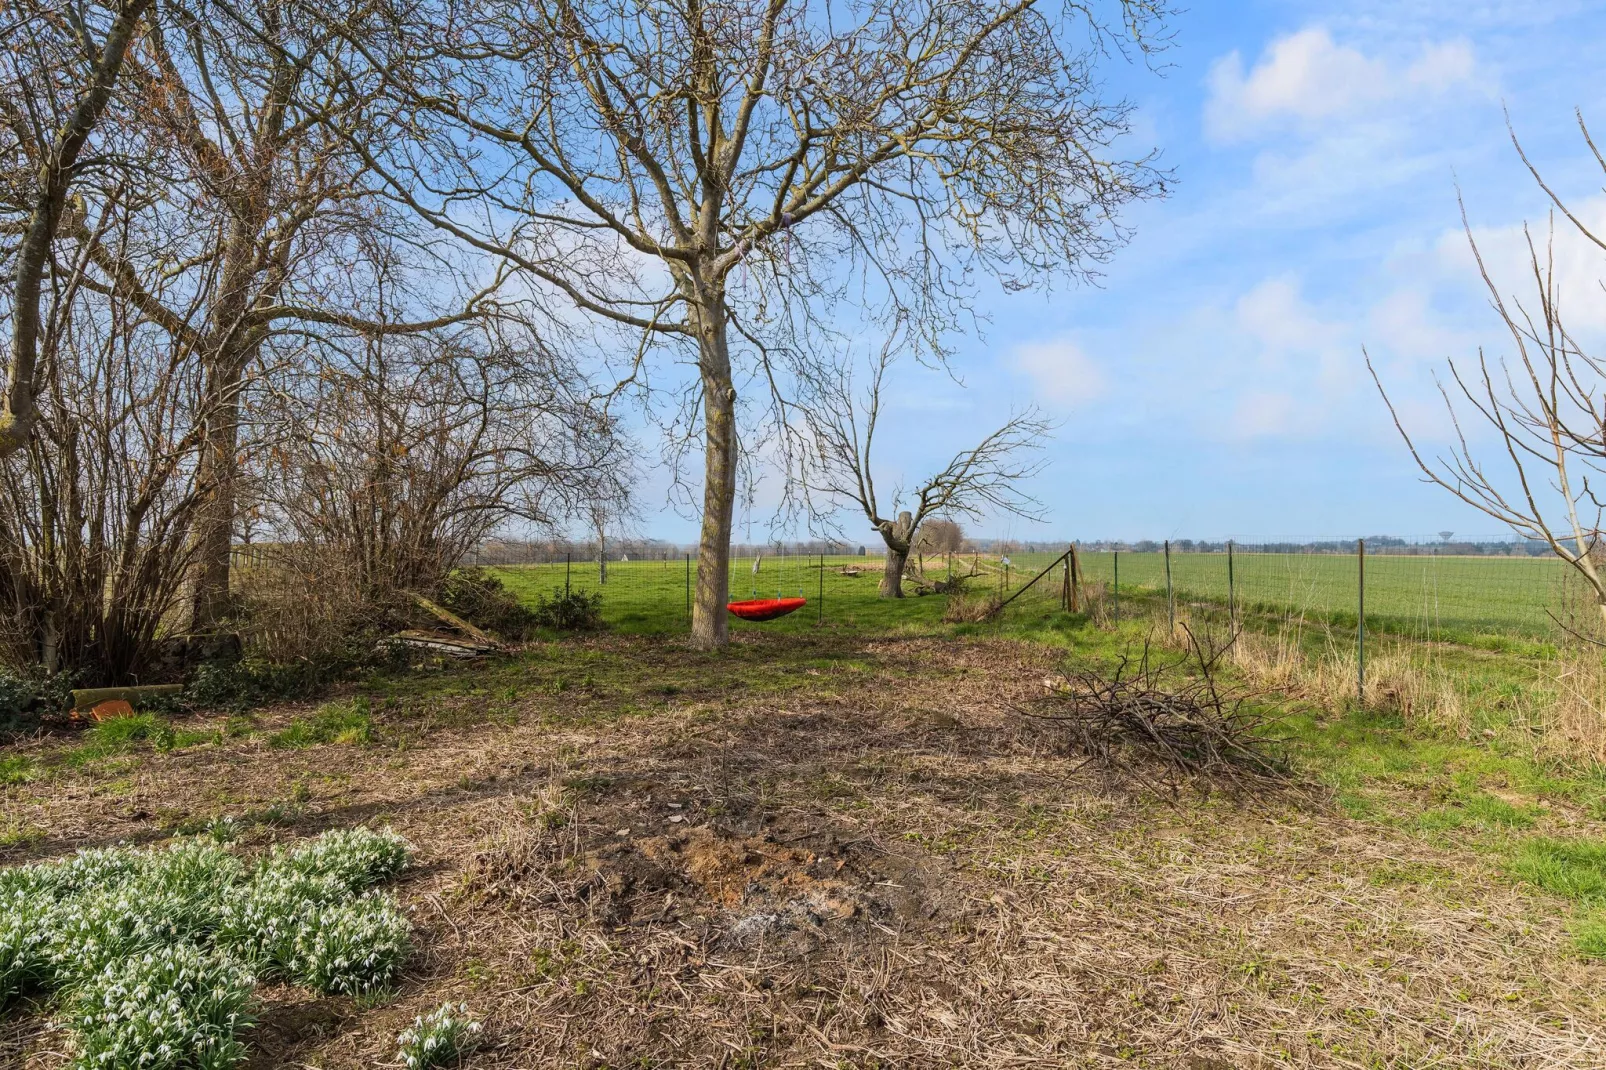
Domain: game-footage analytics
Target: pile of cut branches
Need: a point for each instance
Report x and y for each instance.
(1165, 722)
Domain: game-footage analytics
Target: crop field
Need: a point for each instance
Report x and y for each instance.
(1420, 595)
(1424, 596)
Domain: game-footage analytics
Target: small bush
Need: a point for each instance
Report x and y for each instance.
(480, 598)
(25, 699)
(575, 611)
(437, 1038)
(334, 722)
(172, 1007)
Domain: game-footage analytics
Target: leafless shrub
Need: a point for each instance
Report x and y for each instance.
(298, 604)
(95, 513)
(403, 455)
(1164, 722)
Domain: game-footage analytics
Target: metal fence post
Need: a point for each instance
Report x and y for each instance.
(688, 590)
(820, 602)
(568, 567)
(1115, 587)
(1076, 581)
(1360, 621)
(1170, 598)
(1232, 596)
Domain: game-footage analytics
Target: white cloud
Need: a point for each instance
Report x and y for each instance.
(1276, 315)
(1265, 413)
(1306, 79)
(1405, 324)
(1062, 373)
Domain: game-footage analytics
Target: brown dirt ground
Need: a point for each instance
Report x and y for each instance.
(870, 866)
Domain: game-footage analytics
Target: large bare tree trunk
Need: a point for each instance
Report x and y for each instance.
(214, 526)
(892, 575)
(228, 350)
(709, 627)
(898, 535)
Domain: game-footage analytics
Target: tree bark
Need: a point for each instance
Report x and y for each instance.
(709, 627)
(228, 352)
(892, 574)
(899, 536)
(211, 601)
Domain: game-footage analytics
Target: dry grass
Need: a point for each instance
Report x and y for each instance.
(1575, 726)
(971, 609)
(1398, 678)
(876, 869)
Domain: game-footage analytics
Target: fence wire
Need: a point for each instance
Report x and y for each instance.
(1413, 590)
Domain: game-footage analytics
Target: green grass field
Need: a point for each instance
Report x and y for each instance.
(1424, 596)
(1421, 596)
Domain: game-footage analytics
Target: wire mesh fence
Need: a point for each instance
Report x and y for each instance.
(1420, 590)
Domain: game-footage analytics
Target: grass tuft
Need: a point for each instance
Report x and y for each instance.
(1573, 869)
(335, 722)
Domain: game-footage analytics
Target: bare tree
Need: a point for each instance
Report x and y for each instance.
(1545, 405)
(693, 175)
(40, 115)
(287, 238)
(839, 464)
(940, 535)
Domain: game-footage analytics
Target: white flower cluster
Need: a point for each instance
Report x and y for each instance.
(24, 942)
(301, 918)
(353, 947)
(435, 1039)
(261, 921)
(358, 858)
(61, 922)
(172, 1007)
(310, 930)
(156, 950)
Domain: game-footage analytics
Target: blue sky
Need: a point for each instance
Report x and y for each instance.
(1213, 385)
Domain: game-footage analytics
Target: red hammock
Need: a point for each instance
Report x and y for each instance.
(765, 608)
